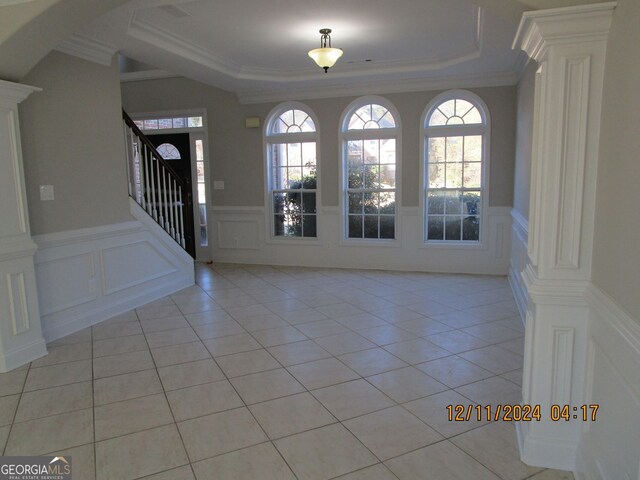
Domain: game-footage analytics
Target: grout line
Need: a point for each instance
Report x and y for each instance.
(13, 421)
(309, 280)
(93, 408)
(166, 399)
(246, 407)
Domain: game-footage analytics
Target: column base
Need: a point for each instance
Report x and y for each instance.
(21, 339)
(21, 355)
(543, 449)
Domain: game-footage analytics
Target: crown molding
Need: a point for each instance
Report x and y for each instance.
(389, 86)
(6, 3)
(161, 38)
(88, 49)
(158, 37)
(146, 75)
(539, 29)
(13, 93)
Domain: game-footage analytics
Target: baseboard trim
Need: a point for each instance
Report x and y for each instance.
(546, 451)
(21, 356)
(587, 467)
(97, 314)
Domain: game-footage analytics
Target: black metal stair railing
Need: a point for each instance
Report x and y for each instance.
(153, 184)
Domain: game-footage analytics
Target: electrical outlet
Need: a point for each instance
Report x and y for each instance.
(46, 193)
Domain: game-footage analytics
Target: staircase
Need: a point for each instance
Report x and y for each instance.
(153, 184)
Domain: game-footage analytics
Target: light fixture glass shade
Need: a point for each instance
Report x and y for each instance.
(325, 57)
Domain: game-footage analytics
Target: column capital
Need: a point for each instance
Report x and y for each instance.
(539, 29)
(13, 93)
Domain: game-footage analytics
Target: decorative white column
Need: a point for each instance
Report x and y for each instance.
(21, 338)
(569, 45)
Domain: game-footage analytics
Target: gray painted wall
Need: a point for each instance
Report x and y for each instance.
(524, 141)
(30, 30)
(237, 153)
(616, 257)
(72, 139)
(232, 148)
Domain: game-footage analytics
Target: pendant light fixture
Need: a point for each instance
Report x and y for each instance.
(325, 56)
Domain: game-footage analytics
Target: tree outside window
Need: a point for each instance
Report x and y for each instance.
(292, 178)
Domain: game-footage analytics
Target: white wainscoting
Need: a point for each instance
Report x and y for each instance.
(610, 447)
(240, 235)
(86, 276)
(518, 262)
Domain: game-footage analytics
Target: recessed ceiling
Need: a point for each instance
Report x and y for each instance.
(259, 48)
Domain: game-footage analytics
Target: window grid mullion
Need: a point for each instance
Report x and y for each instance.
(436, 199)
(280, 154)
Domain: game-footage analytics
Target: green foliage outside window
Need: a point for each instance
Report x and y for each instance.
(295, 212)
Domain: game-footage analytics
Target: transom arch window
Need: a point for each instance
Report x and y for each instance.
(370, 153)
(168, 151)
(455, 157)
(292, 175)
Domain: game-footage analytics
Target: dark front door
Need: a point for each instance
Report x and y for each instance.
(175, 149)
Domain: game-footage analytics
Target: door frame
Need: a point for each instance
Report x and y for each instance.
(203, 253)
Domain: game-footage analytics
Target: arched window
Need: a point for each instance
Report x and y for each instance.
(168, 151)
(290, 136)
(456, 134)
(370, 136)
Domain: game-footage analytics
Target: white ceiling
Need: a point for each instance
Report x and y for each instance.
(258, 48)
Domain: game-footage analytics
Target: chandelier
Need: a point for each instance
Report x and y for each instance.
(325, 56)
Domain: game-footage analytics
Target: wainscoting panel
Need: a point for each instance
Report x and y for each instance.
(78, 287)
(89, 275)
(241, 235)
(238, 234)
(127, 266)
(518, 262)
(610, 447)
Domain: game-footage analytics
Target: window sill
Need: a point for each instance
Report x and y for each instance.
(299, 241)
(371, 242)
(444, 245)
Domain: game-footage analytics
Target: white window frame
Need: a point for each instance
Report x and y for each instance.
(483, 129)
(203, 253)
(268, 140)
(382, 133)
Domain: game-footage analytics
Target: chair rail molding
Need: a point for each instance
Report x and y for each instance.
(569, 45)
(21, 338)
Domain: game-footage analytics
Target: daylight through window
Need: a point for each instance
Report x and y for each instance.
(454, 158)
(292, 173)
(370, 138)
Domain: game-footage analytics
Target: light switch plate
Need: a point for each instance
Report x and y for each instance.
(218, 184)
(46, 193)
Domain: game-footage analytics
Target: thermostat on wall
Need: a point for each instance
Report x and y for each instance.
(252, 122)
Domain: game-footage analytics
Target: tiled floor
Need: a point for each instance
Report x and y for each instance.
(265, 373)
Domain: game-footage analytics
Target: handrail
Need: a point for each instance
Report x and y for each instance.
(155, 185)
(131, 124)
